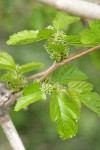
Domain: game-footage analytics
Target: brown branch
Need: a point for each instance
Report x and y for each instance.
(35, 76)
(55, 65)
(41, 74)
(76, 7)
(67, 60)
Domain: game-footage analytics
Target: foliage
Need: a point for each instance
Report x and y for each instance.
(26, 36)
(65, 114)
(67, 86)
(56, 38)
(92, 35)
(6, 61)
(61, 20)
(30, 95)
(14, 73)
(71, 73)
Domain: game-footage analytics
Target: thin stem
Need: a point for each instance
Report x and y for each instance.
(76, 7)
(46, 73)
(10, 132)
(42, 73)
(80, 55)
(49, 71)
(35, 76)
(65, 61)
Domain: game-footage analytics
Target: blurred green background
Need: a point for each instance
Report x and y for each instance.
(34, 125)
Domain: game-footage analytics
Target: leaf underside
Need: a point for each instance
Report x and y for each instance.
(65, 114)
(29, 67)
(83, 92)
(29, 36)
(6, 61)
(67, 73)
(31, 94)
(62, 20)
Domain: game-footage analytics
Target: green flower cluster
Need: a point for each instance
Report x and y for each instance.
(48, 88)
(57, 47)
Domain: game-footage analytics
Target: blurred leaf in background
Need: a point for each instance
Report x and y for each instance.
(96, 59)
(41, 16)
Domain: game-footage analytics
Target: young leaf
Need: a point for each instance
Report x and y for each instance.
(8, 77)
(6, 61)
(80, 86)
(30, 36)
(14, 81)
(57, 51)
(56, 47)
(83, 92)
(68, 73)
(45, 34)
(92, 101)
(95, 25)
(62, 20)
(22, 37)
(75, 87)
(92, 35)
(29, 67)
(74, 97)
(75, 40)
(64, 112)
(30, 95)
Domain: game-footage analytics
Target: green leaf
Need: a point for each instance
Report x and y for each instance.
(75, 40)
(22, 37)
(30, 95)
(80, 86)
(62, 20)
(8, 77)
(75, 87)
(95, 25)
(90, 37)
(91, 100)
(29, 67)
(26, 36)
(74, 97)
(14, 81)
(45, 34)
(82, 91)
(65, 114)
(6, 61)
(57, 51)
(68, 73)
(59, 47)
(56, 47)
